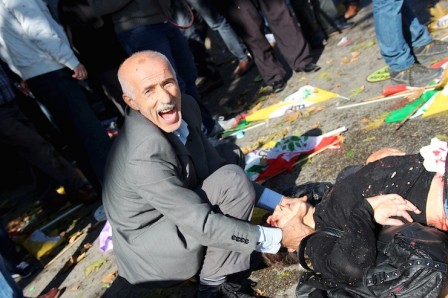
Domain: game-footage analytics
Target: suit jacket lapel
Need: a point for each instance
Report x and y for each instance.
(189, 175)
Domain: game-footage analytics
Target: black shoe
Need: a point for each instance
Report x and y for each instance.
(310, 67)
(24, 270)
(278, 86)
(433, 51)
(416, 76)
(224, 290)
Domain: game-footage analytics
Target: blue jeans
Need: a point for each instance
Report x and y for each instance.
(217, 22)
(397, 30)
(167, 39)
(8, 287)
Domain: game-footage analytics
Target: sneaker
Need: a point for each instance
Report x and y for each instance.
(416, 76)
(224, 290)
(435, 50)
(23, 270)
(278, 86)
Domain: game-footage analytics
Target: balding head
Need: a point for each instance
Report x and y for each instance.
(136, 60)
(150, 87)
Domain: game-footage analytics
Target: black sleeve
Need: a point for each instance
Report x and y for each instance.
(344, 259)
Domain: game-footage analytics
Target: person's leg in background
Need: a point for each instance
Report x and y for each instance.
(425, 48)
(311, 29)
(13, 260)
(249, 25)
(288, 36)
(71, 111)
(319, 20)
(217, 22)
(389, 32)
(389, 24)
(10, 289)
(8, 251)
(185, 65)
(208, 75)
(53, 170)
(8, 286)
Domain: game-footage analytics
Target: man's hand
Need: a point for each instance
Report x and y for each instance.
(80, 72)
(384, 153)
(387, 206)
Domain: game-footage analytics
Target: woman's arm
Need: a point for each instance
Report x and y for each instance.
(391, 205)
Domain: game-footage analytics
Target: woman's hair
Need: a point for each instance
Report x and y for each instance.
(283, 257)
(315, 191)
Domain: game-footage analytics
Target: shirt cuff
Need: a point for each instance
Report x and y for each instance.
(269, 199)
(269, 240)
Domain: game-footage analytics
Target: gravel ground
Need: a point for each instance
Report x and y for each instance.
(344, 71)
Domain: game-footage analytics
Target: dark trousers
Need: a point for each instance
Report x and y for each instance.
(8, 250)
(72, 114)
(249, 24)
(20, 135)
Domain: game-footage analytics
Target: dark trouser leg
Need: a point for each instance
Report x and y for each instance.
(8, 251)
(71, 111)
(288, 35)
(247, 22)
(18, 133)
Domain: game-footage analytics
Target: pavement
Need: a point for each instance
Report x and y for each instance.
(81, 269)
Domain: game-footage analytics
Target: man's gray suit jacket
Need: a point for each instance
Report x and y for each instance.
(160, 226)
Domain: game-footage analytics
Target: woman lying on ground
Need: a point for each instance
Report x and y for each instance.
(388, 191)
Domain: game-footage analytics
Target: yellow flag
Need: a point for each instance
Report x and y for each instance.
(304, 97)
(440, 103)
(321, 95)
